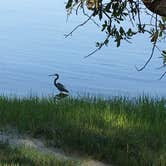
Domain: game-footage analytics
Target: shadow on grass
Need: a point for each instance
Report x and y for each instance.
(121, 147)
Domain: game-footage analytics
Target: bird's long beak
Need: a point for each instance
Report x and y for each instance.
(51, 75)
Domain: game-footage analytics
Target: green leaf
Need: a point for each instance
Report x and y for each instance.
(69, 3)
(106, 42)
(154, 36)
(164, 52)
(161, 33)
(100, 14)
(121, 30)
(104, 26)
(163, 18)
(108, 7)
(118, 43)
(164, 56)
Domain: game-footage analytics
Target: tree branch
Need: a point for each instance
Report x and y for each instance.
(162, 75)
(80, 25)
(99, 47)
(152, 53)
(143, 67)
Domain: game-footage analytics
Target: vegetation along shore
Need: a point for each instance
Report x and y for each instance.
(117, 131)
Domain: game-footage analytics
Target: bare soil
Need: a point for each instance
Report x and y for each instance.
(16, 140)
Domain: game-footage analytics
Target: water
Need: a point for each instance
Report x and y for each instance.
(32, 46)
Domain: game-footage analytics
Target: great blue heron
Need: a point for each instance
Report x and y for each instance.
(58, 85)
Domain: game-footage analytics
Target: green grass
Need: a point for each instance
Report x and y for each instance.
(120, 131)
(24, 156)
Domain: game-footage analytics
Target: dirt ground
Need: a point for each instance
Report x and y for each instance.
(15, 139)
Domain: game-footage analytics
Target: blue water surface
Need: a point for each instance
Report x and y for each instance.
(32, 46)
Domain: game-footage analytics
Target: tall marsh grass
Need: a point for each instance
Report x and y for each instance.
(120, 131)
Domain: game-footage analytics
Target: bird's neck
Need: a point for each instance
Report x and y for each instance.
(56, 79)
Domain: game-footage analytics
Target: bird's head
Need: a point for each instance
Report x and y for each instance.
(57, 75)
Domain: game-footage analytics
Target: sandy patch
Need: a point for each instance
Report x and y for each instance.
(16, 140)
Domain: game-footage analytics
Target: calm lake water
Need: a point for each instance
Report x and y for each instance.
(32, 46)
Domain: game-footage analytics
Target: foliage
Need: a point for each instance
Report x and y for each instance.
(122, 19)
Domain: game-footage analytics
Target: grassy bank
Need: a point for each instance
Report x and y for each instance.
(119, 131)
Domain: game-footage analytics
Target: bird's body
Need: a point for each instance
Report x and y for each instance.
(58, 85)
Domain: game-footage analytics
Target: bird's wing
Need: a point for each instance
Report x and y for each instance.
(61, 86)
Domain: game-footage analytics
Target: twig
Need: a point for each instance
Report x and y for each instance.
(162, 75)
(94, 51)
(152, 53)
(99, 47)
(143, 67)
(80, 25)
(92, 20)
(130, 18)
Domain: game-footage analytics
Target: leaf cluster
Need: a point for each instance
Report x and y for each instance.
(121, 20)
